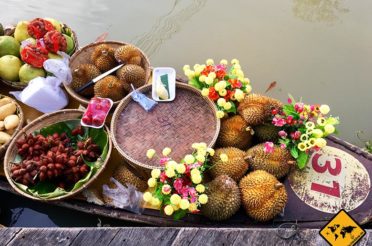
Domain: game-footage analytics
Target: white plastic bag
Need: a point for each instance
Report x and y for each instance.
(46, 94)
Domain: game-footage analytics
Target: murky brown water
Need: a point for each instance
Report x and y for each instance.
(318, 49)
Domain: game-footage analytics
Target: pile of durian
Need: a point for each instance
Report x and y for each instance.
(116, 86)
(250, 177)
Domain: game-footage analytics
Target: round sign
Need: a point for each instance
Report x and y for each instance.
(332, 180)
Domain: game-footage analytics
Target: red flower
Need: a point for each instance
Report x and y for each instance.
(163, 177)
(235, 83)
(207, 70)
(229, 95)
(213, 95)
(220, 74)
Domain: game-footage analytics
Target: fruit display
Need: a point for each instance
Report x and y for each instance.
(224, 198)
(235, 166)
(278, 162)
(266, 132)
(58, 159)
(32, 43)
(98, 58)
(9, 119)
(263, 196)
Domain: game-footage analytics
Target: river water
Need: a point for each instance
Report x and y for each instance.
(320, 50)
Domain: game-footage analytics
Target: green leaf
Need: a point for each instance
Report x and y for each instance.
(180, 213)
(292, 98)
(294, 152)
(289, 109)
(302, 159)
(232, 109)
(195, 83)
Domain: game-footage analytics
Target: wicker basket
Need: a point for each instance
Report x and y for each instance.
(83, 56)
(189, 118)
(19, 85)
(45, 120)
(19, 127)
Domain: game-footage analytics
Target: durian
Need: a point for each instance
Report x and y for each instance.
(235, 132)
(255, 109)
(263, 196)
(81, 75)
(235, 167)
(110, 87)
(266, 132)
(224, 198)
(103, 57)
(277, 163)
(136, 60)
(132, 74)
(124, 176)
(124, 54)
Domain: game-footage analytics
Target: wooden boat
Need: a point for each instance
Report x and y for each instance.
(305, 208)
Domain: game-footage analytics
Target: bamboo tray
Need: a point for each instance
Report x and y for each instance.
(188, 119)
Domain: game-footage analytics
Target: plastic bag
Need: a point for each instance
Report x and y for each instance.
(128, 198)
(45, 94)
(145, 102)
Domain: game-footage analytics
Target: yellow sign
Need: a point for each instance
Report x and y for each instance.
(342, 230)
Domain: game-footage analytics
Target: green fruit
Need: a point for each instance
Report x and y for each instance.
(9, 46)
(223, 198)
(9, 67)
(54, 56)
(21, 32)
(28, 41)
(28, 72)
(1, 30)
(57, 25)
(70, 44)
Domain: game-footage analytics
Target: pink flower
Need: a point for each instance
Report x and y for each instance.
(269, 147)
(220, 67)
(299, 107)
(163, 177)
(312, 107)
(192, 193)
(177, 184)
(184, 192)
(296, 135)
(289, 100)
(282, 134)
(278, 121)
(164, 160)
(283, 146)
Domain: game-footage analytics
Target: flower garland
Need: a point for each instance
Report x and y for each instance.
(303, 129)
(178, 189)
(226, 87)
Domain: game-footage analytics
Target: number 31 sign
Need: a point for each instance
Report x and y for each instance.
(331, 181)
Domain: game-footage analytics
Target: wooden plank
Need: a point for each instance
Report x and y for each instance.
(163, 236)
(7, 234)
(145, 236)
(44, 237)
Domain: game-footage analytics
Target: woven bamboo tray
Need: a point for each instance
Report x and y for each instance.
(19, 85)
(189, 118)
(19, 127)
(83, 56)
(46, 120)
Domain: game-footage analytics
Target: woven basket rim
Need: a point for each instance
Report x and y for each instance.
(128, 99)
(82, 99)
(21, 85)
(7, 158)
(18, 128)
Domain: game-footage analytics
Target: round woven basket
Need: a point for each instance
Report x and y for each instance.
(19, 112)
(20, 85)
(82, 56)
(178, 124)
(37, 124)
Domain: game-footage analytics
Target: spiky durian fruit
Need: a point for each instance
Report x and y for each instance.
(103, 57)
(132, 74)
(277, 163)
(136, 60)
(235, 167)
(266, 132)
(124, 54)
(223, 198)
(255, 108)
(125, 176)
(235, 132)
(263, 196)
(81, 75)
(110, 87)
